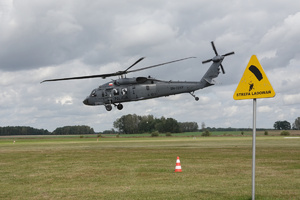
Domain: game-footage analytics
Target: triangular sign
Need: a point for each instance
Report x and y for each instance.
(254, 83)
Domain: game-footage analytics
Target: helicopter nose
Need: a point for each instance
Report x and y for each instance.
(86, 101)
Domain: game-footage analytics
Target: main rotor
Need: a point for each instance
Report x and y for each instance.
(118, 73)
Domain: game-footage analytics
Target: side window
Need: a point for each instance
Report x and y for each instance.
(108, 92)
(116, 91)
(124, 91)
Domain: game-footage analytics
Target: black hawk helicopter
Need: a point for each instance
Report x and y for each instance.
(124, 89)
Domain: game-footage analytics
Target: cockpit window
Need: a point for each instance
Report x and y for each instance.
(93, 94)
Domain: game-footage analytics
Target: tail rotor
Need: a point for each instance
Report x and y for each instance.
(217, 58)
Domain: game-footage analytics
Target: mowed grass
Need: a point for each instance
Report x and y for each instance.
(143, 168)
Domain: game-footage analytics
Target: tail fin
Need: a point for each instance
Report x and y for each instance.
(214, 70)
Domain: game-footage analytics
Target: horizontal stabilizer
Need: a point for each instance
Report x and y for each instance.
(210, 82)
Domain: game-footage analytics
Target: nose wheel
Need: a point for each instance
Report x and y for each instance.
(196, 98)
(108, 107)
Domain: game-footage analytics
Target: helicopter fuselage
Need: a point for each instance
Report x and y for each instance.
(123, 89)
(140, 88)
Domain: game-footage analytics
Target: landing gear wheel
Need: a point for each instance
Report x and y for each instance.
(120, 106)
(196, 98)
(108, 107)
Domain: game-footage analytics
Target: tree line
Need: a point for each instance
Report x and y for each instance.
(73, 130)
(132, 123)
(129, 124)
(22, 130)
(26, 130)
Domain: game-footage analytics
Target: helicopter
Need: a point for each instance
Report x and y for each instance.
(125, 89)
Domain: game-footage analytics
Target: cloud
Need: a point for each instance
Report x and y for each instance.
(291, 99)
(53, 39)
(144, 34)
(42, 34)
(282, 41)
(64, 100)
(264, 109)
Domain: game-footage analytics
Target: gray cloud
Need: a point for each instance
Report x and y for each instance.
(51, 39)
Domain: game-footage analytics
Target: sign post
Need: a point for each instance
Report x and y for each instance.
(254, 84)
(253, 148)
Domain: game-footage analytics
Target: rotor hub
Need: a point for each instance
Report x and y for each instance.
(217, 58)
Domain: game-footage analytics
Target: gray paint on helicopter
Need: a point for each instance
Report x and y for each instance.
(124, 89)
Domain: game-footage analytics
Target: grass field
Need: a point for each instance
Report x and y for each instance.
(143, 168)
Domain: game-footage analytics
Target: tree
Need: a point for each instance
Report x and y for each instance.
(146, 124)
(296, 124)
(167, 125)
(205, 133)
(111, 131)
(160, 125)
(188, 126)
(282, 125)
(202, 126)
(130, 124)
(172, 126)
(73, 130)
(127, 124)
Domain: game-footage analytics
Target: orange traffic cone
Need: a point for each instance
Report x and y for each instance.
(178, 166)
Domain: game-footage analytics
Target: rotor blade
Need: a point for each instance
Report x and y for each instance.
(222, 68)
(119, 73)
(228, 54)
(206, 61)
(134, 64)
(213, 46)
(80, 77)
(159, 64)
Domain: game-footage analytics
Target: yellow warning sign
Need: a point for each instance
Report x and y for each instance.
(254, 83)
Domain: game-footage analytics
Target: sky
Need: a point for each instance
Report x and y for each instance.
(53, 39)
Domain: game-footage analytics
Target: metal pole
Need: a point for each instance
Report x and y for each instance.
(253, 149)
